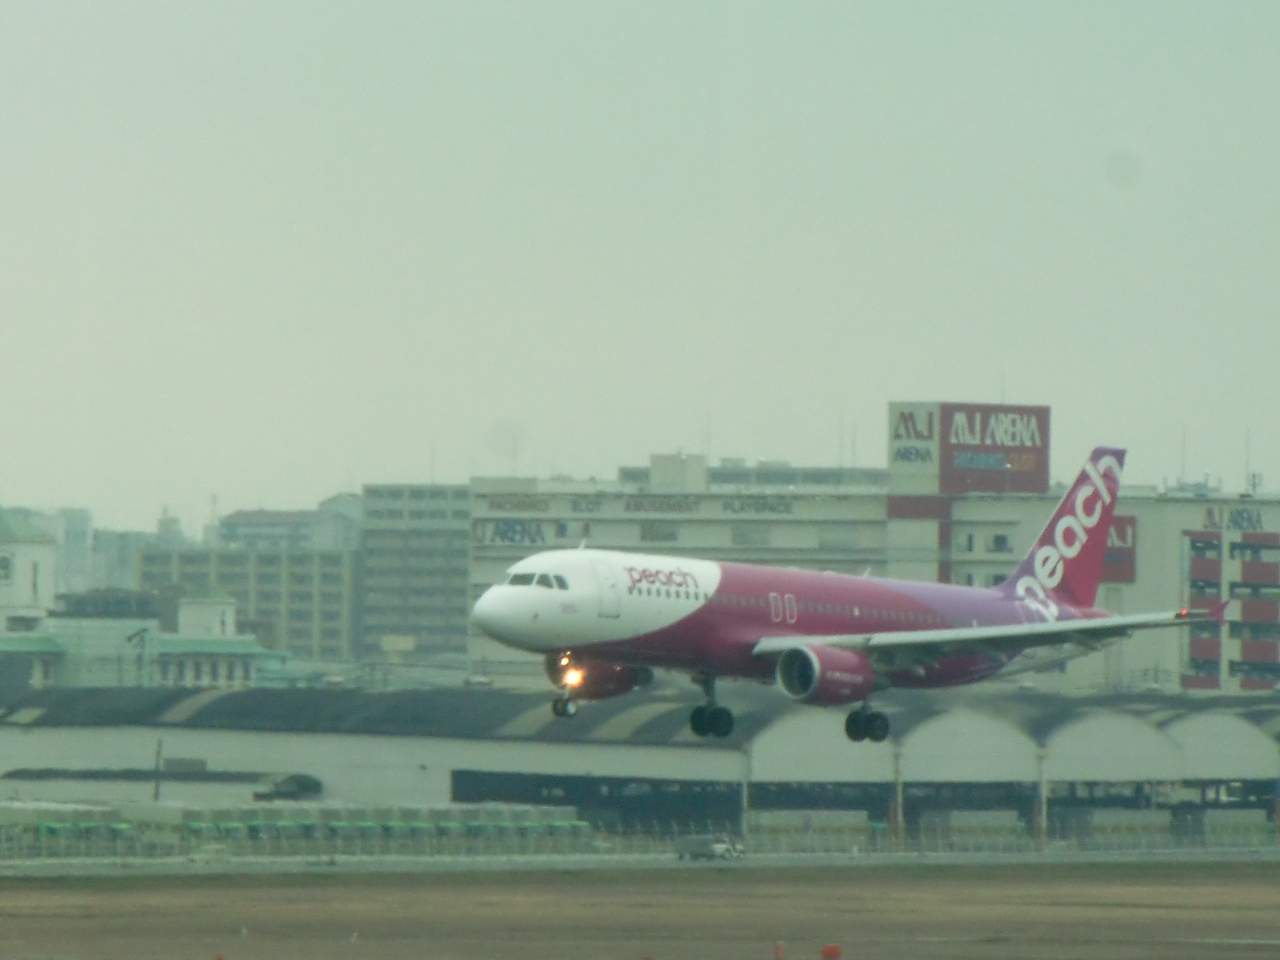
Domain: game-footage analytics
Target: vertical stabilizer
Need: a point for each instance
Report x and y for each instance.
(1065, 563)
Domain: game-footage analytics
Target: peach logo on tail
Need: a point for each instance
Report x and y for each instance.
(1070, 534)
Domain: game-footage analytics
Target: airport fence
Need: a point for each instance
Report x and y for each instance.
(154, 831)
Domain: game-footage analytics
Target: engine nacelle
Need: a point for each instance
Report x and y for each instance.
(595, 679)
(825, 676)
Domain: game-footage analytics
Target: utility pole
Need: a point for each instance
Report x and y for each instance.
(155, 794)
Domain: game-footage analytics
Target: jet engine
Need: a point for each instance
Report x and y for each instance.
(595, 679)
(825, 676)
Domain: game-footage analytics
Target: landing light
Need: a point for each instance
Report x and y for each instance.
(564, 660)
(572, 677)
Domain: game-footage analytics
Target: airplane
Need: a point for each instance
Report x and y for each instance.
(605, 619)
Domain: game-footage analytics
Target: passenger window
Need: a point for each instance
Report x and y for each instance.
(545, 581)
(561, 582)
(520, 579)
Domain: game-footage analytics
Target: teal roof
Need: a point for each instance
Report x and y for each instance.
(208, 646)
(29, 643)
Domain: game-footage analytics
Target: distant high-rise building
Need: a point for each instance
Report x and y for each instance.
(28, 565)
(71, 529)
(302, 601)
(335, 525)
(115, 558)
(414, 552)
(169, 531)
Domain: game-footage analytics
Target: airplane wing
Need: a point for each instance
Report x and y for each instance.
(930, 644)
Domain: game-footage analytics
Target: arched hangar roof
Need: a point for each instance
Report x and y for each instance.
(982, 734)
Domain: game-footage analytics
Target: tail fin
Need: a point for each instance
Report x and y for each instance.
(1065, 562)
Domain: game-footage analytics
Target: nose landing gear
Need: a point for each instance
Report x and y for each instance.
(710, 719)
(866, 724)
(564, 707)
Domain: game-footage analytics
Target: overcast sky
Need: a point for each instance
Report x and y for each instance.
(269, 251)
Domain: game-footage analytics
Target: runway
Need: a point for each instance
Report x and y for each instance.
(1169, 911)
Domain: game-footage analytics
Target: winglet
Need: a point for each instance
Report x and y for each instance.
(1217, 613)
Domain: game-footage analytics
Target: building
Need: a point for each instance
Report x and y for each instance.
(302, 602)
(966, 492)
(116, 647)
(115, 558)
(28, 573)
(335, 525)
(414, 567)
(1150, 763)
(71, 530)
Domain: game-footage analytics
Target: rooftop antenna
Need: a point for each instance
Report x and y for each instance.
(1248, 474)
(1182, 468)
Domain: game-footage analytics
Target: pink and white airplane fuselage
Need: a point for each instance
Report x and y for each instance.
(604, 618)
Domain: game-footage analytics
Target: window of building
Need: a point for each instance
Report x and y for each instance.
(659, 531)
(749, 534)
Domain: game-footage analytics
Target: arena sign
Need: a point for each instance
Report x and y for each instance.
(991, 448)
(913, 438)
(1120, 562)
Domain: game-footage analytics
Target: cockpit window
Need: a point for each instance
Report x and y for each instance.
(561, 582)
(544, 580)
(520, 579)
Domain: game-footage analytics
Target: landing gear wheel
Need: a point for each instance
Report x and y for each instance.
(564, 707)
(700, 721)
(877, 727)
(721, 721)
(855, 726)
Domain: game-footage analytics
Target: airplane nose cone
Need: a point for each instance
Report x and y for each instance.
(487, 614)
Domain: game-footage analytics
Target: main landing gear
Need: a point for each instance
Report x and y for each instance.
(866, 724)
(710, 720)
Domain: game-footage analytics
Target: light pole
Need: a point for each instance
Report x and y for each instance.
(139, 637)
